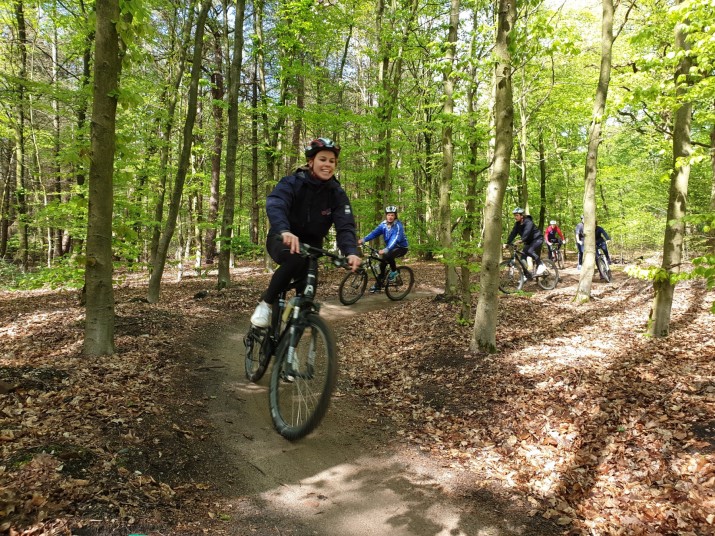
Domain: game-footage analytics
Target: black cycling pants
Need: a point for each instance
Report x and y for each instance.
(533, 249)
(292, 267)
(389, 258)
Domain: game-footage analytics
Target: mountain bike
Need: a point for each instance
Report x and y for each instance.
(513, 273)
(602, 265)
(556, 254)
(353, 285)
(306, 363)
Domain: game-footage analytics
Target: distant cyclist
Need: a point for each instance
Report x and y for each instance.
(553, 236)
(579, 243)
(601, 238)
(393, 231)
(531, 237)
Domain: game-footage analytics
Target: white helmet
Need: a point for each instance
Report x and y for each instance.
(553, 222)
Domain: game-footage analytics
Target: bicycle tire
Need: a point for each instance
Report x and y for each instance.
(560, 259)
(603, 269)
(511, 277)
(352, 287)
(298, 406)
(550, 279)
(401, 286)
(256, 361)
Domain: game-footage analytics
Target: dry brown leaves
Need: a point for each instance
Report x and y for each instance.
(578, 415)
(598, 428)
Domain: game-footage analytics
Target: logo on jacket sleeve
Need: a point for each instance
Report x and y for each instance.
(347, 209)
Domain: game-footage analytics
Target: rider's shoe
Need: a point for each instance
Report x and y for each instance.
(393, 275)
(540, 270)
(261, 317)
(375, 288)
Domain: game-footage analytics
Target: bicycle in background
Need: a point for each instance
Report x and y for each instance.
(512, 273)
(602, 265)
(353, 285)
(306, 363)
(556, 254)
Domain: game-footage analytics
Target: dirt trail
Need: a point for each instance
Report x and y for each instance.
(346, 478)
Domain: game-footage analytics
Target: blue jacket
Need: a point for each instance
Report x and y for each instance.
(601, 234)
(394, 234)
(307, 207)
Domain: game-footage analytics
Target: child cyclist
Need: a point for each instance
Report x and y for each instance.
(393, 231)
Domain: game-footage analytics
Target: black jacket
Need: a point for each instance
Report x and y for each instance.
(529, 232)
(307, 207)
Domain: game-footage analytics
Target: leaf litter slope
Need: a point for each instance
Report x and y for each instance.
(578, 418)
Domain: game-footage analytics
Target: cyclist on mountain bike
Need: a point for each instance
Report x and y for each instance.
(579, 243)
(393, 231)
(553, 235)
(531, 237)
(601, 237)
(301, 208)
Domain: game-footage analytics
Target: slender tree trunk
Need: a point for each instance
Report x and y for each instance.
(542, 182)
(21, 159)
(485, 322)
(99, 326)
(664, 285)
(583, 293)
(224, 274)
(175, 204)
(6, 214)
(171, 95)
(445, 185)
(217, 93)
(711, 235)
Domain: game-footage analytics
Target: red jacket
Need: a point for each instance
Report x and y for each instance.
(551, 232)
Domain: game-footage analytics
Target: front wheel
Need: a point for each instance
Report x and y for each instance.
(401, 285)
(303, 380)
(549, 279)
(560, 259)
(603, 269)
(352, 287)
(511, 277)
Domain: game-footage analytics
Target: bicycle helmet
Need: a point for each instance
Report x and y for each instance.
(391, 208)
(321, 144)
(553, 222)
(518, 210)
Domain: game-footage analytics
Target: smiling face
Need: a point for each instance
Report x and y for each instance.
(390, 217)
(323, 165)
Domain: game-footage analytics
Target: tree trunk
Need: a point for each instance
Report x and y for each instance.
(21, 159)
(183, 165)
(224, 274)
(99, 326)
(664, 284)
(217, 93)
(583, 293)
(711, 234)
(445, 185)
(485, 322)
(542, 181)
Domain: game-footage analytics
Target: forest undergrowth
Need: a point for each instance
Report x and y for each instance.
(578, 415)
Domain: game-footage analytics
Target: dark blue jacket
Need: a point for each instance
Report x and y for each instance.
(601, 235)
(307, 207)
(529, 232)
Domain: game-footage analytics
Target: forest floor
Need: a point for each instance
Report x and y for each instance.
(578, 425)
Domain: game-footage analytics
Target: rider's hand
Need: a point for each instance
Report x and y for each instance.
(360, 242)
(382, 251)
(354, 261)
(504, 246)
(292, 241)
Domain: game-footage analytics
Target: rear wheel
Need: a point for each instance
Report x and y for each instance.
(550, 278)
(603, 269)
(400, 286)
(257, 353)
(300, 391)
(352, 287)
(511, 277)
